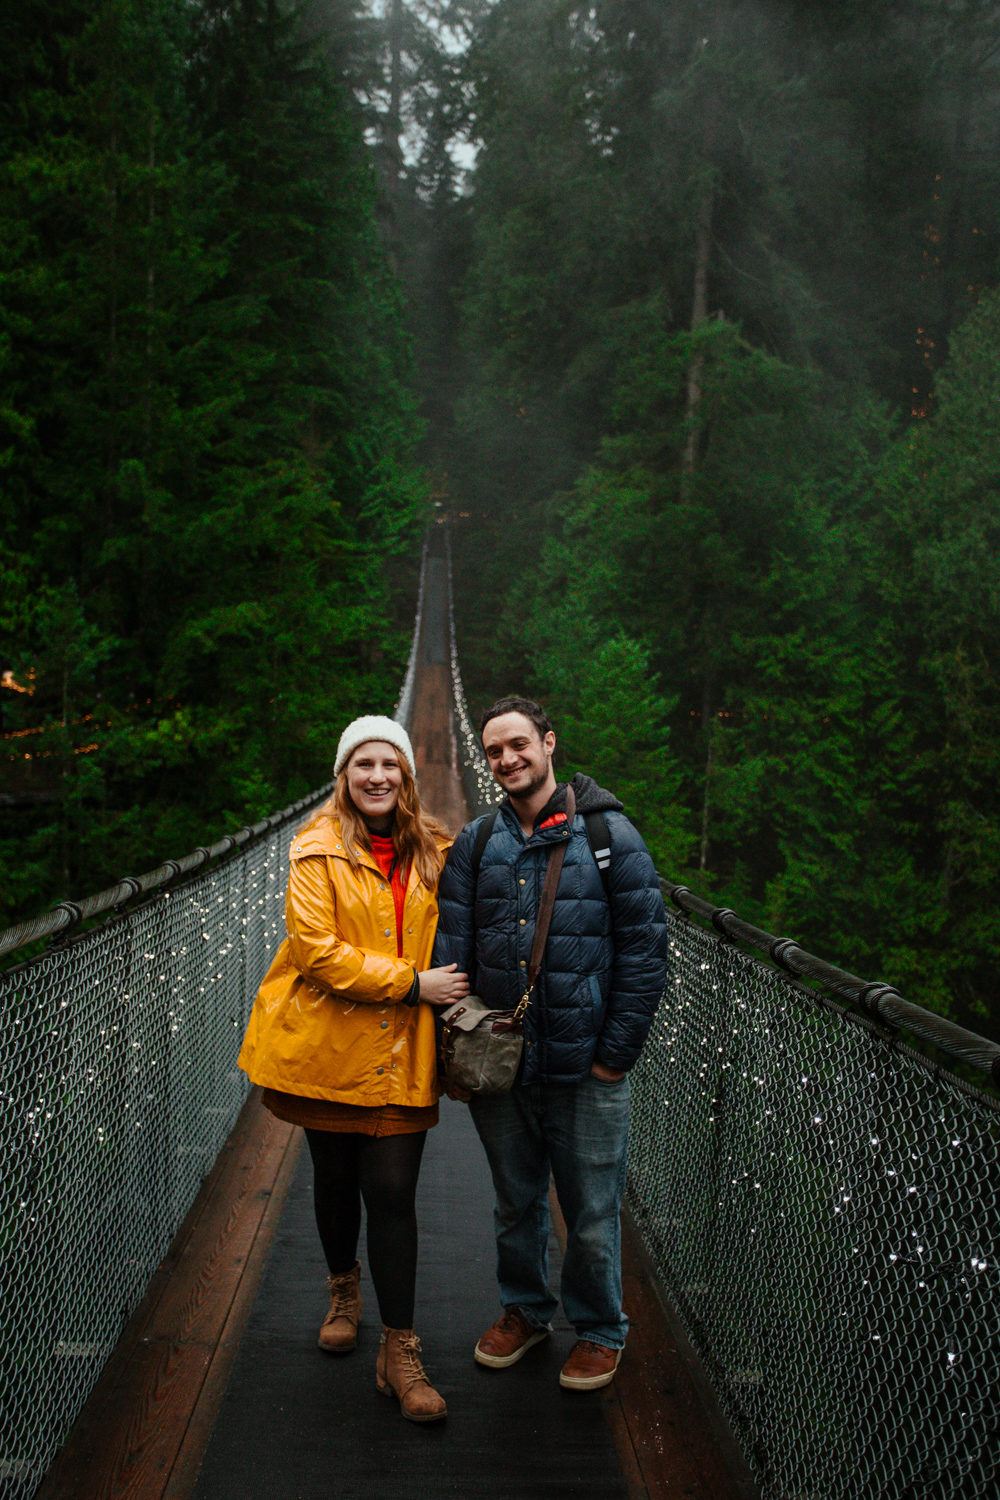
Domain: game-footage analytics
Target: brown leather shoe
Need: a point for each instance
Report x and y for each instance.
(589, 1366)
(399, 1372)
(507, 1339)
(339, 1333)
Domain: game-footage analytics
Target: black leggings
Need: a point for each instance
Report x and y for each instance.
(382, 1170)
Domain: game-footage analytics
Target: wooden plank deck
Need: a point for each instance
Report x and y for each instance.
(143, 1430)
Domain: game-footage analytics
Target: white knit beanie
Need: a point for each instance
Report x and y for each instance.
(373, 727)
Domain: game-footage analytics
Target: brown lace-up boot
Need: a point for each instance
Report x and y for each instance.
(339, 1333)
(400, 1373)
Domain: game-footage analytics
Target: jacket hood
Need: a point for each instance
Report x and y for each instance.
(589, 798)
(593, 798)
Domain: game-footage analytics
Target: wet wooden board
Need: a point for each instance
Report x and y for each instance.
(673, 1440)
(298, 1424)
(435, 748)
(137, 1432)
(660, 1407)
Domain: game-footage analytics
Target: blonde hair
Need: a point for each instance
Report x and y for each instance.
(414, 832)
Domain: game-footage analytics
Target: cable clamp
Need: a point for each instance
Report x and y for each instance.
(872, 996)
(780, 949)
(173, 873)
(128, 889)
(74, 916)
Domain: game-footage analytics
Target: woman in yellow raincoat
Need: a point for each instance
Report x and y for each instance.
(342, 1038)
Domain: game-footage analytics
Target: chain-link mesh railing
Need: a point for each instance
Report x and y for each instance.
(822, 1206)
(403, 712)
(118, 1088)
(481, 791)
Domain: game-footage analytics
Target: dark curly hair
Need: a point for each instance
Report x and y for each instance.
(526, 706)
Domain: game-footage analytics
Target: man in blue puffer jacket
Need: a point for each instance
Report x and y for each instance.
(601, 980)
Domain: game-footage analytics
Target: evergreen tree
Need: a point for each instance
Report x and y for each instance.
(210, 436)
(707, 243)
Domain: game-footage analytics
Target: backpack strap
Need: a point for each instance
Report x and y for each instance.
(482, 839)
(599, 840)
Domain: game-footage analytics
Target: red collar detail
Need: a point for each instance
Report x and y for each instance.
(553, 822)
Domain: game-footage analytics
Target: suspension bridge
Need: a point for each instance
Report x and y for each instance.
(812, 1238)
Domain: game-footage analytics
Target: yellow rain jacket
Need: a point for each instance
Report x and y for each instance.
(328, 1022)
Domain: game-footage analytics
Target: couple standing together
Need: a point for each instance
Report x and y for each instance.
(388, 921)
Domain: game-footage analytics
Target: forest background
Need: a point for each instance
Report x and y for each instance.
(687, 313)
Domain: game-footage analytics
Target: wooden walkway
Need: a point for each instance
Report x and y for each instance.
(217, 1391)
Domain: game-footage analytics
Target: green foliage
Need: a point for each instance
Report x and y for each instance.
(614, 725)
(207, 434)
(727, 448)
(708, 353)
(940, 487)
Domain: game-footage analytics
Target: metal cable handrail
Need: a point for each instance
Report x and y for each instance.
(67, 917)
(403, 712)
(481, 791)
(877, 999)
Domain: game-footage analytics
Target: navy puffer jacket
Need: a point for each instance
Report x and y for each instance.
(605, 962)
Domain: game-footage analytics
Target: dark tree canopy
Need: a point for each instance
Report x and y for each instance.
(208, 433)
(721, 378)
(696, 307)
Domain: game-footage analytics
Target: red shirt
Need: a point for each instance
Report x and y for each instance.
(384, 855)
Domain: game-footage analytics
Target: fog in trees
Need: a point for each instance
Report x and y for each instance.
(704, 336)
(687, 312)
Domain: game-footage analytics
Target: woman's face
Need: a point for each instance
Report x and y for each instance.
(374, 777)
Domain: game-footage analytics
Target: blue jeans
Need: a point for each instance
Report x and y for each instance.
(580, 1132)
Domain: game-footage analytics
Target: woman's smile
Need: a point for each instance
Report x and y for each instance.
(374, 778)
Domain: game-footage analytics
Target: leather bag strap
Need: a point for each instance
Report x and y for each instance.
(547, 903)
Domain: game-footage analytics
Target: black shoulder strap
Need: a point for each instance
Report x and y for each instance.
(597, 836)
(600, 844)
(482, 839)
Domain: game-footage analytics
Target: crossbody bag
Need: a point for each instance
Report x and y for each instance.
(481, 1047)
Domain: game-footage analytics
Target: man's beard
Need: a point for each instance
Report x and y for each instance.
(530, 788)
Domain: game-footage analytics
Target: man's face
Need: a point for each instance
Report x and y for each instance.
(520, 758)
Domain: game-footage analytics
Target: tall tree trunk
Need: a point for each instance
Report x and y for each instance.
(699, 312)
(949, 243)
(392, 132)
(111, 431)
(394, 118)
(706, 729)
(150, 283)
(702, 258)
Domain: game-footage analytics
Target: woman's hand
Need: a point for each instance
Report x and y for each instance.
(443, 986)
